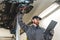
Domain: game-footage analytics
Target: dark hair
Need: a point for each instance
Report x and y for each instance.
(35, 17)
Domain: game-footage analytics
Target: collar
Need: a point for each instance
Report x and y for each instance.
(35, 26)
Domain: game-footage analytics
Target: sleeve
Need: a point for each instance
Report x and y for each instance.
(21, 23)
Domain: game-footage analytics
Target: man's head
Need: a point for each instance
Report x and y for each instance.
(36, 20)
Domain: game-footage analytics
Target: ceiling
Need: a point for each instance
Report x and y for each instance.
(39, 6)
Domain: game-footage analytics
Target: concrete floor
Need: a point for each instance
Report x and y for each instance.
(5, 34)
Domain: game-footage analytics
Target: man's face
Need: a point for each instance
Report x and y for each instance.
(36, 21)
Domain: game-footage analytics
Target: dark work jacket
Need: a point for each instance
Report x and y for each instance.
(33, 33)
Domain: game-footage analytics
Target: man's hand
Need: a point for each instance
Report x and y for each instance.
(49, 35)
(52, 32)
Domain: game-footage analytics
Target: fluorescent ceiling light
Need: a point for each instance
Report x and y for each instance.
(49, 10)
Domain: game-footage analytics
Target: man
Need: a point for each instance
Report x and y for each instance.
(33, 32)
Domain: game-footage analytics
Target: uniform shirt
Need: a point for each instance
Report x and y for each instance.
(32, 32)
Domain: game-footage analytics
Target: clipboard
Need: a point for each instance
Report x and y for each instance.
(51, 26)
